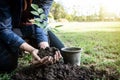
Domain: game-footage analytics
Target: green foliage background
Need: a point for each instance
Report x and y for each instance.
(58, 11)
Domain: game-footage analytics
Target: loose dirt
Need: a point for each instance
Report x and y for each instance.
(61, 71)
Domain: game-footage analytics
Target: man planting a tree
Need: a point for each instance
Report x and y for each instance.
(15, 27)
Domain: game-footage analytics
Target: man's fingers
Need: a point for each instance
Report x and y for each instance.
(35, 62)
(41, 61)
(35, 54)
(57, 58)
(44, 60)
(36, 57)
(48, 60)
(59, 55)
(54, 58)
(43, 45)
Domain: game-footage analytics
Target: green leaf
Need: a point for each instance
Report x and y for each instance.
(34, 6)
(44, 24)
(39, 25)
(58, 26)
(40, 11)
(35, 13)
(56, 30)
(37, 19)
(42, 16)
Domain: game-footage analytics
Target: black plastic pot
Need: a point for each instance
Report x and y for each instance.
(71, 55)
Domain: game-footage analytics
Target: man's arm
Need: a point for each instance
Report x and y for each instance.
(41, 36)
(9, 37)
(6, 33)
(16, 42)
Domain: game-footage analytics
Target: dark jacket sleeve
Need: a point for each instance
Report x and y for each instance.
(41, 36)
(6, 33)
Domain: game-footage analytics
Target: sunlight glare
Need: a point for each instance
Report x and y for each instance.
(89, 7)
(111, 6)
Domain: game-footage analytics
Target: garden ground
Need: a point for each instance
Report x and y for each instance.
(100, 42)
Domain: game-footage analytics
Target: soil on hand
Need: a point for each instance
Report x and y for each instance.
(61, 71)
(47, 52)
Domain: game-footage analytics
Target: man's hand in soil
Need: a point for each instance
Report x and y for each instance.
(45, 60)
(40, 61)
(57, 56)
(43, 45)
(34, 52)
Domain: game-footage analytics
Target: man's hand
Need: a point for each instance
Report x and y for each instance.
(34, 52)
(47, 59)
(43, 45)
(39, 61)
(35, 55)
(57, 56)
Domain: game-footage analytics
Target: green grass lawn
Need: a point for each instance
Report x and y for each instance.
(101, 49)
(100, 42)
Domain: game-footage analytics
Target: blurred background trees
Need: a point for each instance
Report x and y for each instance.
(59, 13)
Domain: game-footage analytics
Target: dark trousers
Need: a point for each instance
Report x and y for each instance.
(54, 41)
(9, 58)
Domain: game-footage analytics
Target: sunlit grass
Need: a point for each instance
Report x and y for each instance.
(100, 48)
(88, 26)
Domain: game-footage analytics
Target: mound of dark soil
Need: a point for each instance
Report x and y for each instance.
(61, 71)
